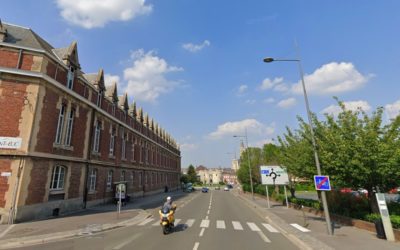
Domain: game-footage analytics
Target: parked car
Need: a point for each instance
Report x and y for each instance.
(204, 190)
(217, 188)
(226, 188)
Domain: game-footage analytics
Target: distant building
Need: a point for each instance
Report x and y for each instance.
(66, 138)
(216, 175)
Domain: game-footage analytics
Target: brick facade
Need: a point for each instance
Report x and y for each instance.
(57, 128)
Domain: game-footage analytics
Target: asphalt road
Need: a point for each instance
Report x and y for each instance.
(214, 220)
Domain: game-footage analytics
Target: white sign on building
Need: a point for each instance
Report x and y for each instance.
(10, 142)
(273, 175)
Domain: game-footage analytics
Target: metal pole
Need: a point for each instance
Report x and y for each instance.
(287, 202)
(323, 195)
(266, 188)
(248, 158)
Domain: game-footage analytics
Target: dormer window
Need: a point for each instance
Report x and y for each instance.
(70, 77)
(99, 98)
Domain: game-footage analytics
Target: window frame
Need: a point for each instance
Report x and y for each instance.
(92, 180)
(112, 142)
(61, 172)
(110, 176)
(70, 126)
(70, 77)
(60, 124)
(96, 138)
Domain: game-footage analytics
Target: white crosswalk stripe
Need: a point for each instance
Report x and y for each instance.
(297, 226)
(205, 223)
(145, 221)
(237, 225)
(253, 227)
(189, 222)
(270, 228)
(221, 224)
(177, 221)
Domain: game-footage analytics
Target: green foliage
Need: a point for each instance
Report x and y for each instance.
(394, 208)
(191, 173)
(306, 202)
(347, 204)
(254, 156)
(270, 154)
(394, 219)
(184, 178)
(305, 186)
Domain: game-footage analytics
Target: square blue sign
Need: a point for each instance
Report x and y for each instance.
(322, 182)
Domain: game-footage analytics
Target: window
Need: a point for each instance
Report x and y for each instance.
(123, 151)
(140, 179)
(60, 124)
(132, 177)
(92, 180)
(99, 98)
(109, 179)
(70, 124)
(96, 139)
(57, 178)
(112, 142)
(70, 77)
(122, 176)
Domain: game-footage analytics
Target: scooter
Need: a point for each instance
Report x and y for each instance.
(167, 219)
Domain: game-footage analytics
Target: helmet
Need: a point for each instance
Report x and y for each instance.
(168, 198)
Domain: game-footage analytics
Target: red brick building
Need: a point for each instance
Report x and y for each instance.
(65, 138)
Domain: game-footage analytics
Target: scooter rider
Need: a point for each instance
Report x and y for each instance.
(171, 207)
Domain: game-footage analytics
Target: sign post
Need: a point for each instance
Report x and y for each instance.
(387, 225)
(274, 175)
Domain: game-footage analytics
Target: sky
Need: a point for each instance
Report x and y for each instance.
(196, 66)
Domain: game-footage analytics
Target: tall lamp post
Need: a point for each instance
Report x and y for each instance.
(248, 158)
(323, 195)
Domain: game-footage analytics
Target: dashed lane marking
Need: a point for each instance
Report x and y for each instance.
(205, 223)
(297, 226)
(270, 228)
(253, 227)
(190, 222)
(237, 225)
(221, 224)
(202, 232)
(145, 221)
(196, 245)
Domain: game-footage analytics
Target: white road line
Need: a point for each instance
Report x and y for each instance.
(221, 224)
(145, 221)
(196, 245)
(134, 237)
(189, 222)
(237, 225)
(270, 228)
(177, 221)
(205, 223)
(253, 227)
(207, 217)
(7, 230)
(265, 238)
(297, 226)
(208, 212)
(202, 232)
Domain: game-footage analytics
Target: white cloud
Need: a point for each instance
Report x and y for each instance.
(146, 78)
(393, 109)
(110, 79)
(242, 89)
(281, 87)
(97, 13)
(269, 100)
(333, 78)
(287, 103)
(268, 83)
(353, 106)
(196, 47)
(238, 128)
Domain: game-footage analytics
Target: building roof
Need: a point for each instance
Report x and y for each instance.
(199, 168)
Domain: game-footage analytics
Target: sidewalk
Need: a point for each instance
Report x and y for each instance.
(345, 237)
(85, 222)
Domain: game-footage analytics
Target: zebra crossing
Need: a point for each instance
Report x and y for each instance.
(222, 225)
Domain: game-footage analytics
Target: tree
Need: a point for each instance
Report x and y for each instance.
(270, 154)
(184, 178)
(191, 173)
(255, 162)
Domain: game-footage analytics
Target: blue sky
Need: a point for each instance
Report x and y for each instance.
(196, 65)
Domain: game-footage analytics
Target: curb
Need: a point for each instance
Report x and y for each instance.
(46, 238)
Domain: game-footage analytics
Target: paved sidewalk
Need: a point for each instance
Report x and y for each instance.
(345, 237)
(85, 222)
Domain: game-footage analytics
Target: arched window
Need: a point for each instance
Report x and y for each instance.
(58, 178)
(109, 179)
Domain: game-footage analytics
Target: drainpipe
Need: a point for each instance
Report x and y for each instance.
(88, 158)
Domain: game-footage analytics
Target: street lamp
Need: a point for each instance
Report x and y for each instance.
(323, 195)
(248, 158)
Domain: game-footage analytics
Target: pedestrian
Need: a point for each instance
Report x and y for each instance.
(166, 189)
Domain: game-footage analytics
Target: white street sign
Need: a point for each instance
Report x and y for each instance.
(5, 174)
(273, 175)
(10, 142)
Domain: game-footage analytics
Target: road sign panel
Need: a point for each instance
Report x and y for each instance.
(274, 175)
(322, 182)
